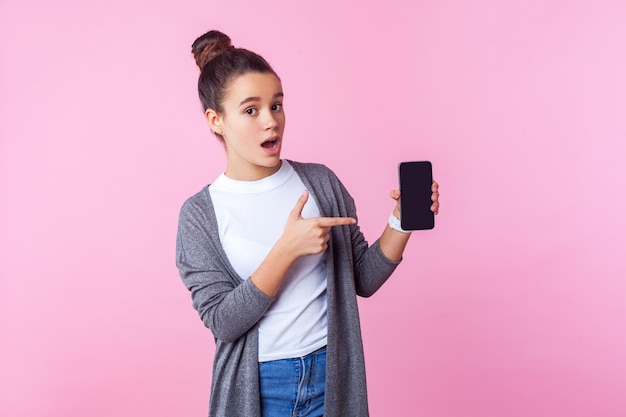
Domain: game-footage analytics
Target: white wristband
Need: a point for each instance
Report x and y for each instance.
(394, 223)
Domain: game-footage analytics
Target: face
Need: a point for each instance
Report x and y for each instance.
(252, 126)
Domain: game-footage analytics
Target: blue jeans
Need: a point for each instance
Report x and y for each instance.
(293, 387)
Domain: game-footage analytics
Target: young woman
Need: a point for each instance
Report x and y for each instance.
(273, 256)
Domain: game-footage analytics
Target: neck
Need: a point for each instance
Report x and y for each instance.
(252, 173)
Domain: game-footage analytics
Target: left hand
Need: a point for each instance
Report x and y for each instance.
(395, 194)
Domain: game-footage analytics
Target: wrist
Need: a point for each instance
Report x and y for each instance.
(284, 249)
(395, 224)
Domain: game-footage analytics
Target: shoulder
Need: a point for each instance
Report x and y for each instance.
(313, 171)
(198, 204)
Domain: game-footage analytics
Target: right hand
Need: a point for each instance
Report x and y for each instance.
(309, 236)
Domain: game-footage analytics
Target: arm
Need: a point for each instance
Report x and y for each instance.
(228, 305)
(301, 237)
(374, 264)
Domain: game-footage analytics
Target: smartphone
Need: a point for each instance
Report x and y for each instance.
(416, 181)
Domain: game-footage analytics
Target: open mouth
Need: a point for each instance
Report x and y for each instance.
(270, 143)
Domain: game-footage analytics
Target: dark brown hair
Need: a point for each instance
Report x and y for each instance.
(220, 62)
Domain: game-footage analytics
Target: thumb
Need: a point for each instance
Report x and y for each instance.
(296, 212)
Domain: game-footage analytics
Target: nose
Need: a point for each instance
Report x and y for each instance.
(269, 121)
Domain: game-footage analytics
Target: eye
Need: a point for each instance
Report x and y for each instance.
(277, 107)
(250, 111)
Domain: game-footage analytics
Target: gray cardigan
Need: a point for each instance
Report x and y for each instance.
(232, 306)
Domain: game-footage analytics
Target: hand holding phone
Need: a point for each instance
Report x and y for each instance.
(416, 181)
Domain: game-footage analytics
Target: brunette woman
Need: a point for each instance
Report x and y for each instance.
(273, 255)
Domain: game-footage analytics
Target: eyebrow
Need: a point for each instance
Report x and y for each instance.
(249, 99)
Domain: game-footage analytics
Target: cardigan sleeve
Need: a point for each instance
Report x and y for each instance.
(228, 305)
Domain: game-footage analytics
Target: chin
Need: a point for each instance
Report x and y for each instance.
(274, 162)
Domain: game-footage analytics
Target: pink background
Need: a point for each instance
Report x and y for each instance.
(513, 306)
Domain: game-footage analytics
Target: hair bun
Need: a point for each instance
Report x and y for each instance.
(208, 46)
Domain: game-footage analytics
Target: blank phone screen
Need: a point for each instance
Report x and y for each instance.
(416, 179)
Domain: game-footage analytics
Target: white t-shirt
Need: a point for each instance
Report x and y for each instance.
(251, 217)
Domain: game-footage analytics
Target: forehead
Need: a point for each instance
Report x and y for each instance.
(263, 86)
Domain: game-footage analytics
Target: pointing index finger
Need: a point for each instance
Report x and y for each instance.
(335, 221)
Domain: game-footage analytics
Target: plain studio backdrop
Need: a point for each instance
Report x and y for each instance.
(513, 306)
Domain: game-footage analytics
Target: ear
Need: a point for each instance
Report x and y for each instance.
(215, 121)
